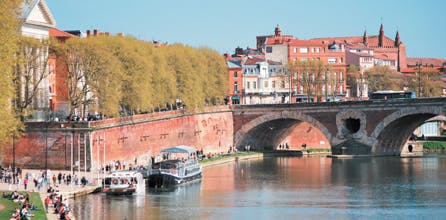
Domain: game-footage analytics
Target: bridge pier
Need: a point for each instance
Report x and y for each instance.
(351, 147)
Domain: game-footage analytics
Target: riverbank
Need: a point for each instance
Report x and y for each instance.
(230, 158)
(65, 190)
(73, 191)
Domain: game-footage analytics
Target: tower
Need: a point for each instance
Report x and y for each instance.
(365, 38)
(397, 39)
(381, 36)
(277, 31)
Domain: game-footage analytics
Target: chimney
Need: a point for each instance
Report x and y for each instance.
(95, 32)
(88, 33)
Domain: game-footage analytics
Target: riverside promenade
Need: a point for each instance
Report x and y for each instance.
(75, 190)
(67, 191)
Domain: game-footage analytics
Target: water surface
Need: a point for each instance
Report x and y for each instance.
(291, 188)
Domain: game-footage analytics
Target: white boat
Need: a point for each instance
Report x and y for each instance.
(123, 183)
(179, 165)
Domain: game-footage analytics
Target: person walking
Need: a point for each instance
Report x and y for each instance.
(25, 183)
(47, 202)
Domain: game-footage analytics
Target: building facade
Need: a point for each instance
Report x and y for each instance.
(287, 49)
(36, 22)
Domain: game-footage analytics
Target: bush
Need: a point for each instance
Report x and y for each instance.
(311, 150)
(434, 145)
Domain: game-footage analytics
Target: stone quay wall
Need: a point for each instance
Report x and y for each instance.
(88, 145)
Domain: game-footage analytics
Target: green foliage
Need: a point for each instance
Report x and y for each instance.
(354, 77)
(313, 75)
(434, 145)
(312, 150)
(31, 62)
(124, 76)
(383, 78)
(427, 81)
(239, 154)
(9, 26)
(10, 206)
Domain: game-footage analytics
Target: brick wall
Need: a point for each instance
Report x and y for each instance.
(124, 139)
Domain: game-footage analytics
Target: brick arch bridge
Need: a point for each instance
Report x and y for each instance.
(366, 127)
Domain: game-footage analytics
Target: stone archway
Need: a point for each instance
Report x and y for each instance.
(392, 132)
(272, 125)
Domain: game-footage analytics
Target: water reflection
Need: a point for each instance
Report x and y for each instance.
(291, 188)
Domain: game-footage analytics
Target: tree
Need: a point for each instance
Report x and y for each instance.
(427, 81)
(9, 34)
(311, 75)
(29, 75)
(354, 79)
(384, 78)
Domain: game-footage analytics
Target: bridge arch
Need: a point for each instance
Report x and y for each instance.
(390, 135)
(263, 132)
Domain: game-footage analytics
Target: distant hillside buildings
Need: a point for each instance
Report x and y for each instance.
(257, 82)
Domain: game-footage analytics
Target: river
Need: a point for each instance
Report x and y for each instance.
(291, 188)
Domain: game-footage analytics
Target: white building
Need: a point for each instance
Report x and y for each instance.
(264, 82)
(37, 20)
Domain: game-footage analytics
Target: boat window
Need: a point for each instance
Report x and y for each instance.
(107, 181)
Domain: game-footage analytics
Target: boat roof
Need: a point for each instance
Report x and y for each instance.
(124, 173)
(179, 149)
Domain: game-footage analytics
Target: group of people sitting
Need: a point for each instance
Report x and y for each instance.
(59, 203)
(23, 213)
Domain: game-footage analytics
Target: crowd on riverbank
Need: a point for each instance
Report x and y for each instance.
(16, 183)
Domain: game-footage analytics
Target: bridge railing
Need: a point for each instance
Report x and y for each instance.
(415, 101)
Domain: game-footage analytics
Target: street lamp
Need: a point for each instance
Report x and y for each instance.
(419, 78)
(326, 84)
(13, 157)
(291, 84)
(46, 150)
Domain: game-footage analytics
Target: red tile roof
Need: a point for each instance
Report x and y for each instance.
(253, 61)
(372, 41)
(54, 32)
(436, 62)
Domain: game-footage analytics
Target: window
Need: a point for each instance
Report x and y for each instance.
(269, 49)
(331, 60)
(254, 85)
(312, 50)
(317, 50)
(282, 84)
(248, 85)
(235, 87)
(235, 74)
(340, 60)
(303, 50)
(340, 76)
(265, 84)
(274, 84)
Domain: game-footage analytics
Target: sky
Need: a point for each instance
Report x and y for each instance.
(224, 25)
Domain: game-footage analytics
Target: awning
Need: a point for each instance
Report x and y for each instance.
(235, 97)
(179, 149)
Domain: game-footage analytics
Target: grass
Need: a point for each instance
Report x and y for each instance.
(10, 206)
(434, 145)
(311, 150)
(244, 153)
